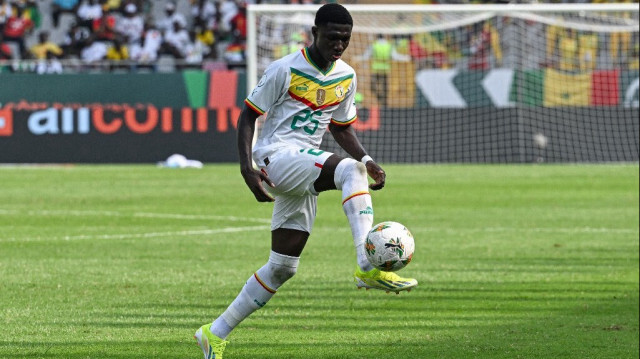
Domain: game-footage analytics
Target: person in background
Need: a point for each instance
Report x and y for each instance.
(17, 28)
(588, 50)
(59, 7)
(105, 27)
(74, 40)
(45, 49)
(171, 15)
(207, 38)
(146, 54)
(5, 13)
(88, 11)
(93, 51)
(239, 22)
(381, 53)
(177, 41)
(203, 13)
(130, 26)
(117, 54)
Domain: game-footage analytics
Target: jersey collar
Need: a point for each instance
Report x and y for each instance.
(305, 53)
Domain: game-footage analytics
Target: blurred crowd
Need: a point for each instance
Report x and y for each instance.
(516, 43)
(132, 34)
(125, 33)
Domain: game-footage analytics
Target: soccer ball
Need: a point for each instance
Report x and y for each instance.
(389, 246)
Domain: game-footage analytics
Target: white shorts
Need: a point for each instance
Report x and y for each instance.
(293, 172)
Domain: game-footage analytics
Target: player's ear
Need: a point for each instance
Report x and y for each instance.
(314, 32)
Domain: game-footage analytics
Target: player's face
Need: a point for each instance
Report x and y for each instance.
(330, 41)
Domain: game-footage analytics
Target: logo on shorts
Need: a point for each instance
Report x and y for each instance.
(320, 96)
(339, 91)
(367, 210)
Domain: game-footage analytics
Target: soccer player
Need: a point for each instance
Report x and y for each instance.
(301, 95)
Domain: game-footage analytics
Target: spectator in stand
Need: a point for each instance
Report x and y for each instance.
(59, 7)
(171, 16)
(117, 53)
(44, 48)
(562, 48)
(484, 41)
(5, 13)
(207, 38)
(89, 11)
(143, 7)
(105, 27)
(588, 50)
(131, 25)
(204, 14)
(177, 41)
(228, 9)
(17, 28)
(239, 22)
(93, 51)
(198, 49)
(146, 54)
(75, 39)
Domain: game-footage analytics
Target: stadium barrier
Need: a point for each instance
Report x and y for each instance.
(118, 118)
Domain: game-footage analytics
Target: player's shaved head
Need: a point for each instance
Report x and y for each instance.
(333, 13)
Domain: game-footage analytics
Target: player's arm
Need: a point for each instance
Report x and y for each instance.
(346, 137)
(252, 177)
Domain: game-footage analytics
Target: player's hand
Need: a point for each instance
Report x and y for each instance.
(253, 179)
(378, 175)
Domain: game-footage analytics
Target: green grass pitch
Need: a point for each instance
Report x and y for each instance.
(514, 261)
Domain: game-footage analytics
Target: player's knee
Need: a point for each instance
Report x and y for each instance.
(352, 173)
(282, 273)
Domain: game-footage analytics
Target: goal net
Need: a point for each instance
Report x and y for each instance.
(480, 83)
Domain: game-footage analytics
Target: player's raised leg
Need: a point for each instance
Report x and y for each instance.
(350, 176)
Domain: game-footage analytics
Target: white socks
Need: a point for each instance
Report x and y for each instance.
(351, 178)
(257, 291)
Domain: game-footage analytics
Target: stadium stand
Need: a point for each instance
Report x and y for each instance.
(209, 34)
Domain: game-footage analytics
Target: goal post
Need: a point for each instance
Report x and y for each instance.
(510, 83)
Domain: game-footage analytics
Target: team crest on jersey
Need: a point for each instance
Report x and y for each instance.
(339, 91)
(320, 96)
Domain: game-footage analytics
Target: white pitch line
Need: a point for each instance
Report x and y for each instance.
(81, 213)
(139, 235)
(533, 229)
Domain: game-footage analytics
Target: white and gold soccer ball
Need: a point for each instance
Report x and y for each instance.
(389, 246)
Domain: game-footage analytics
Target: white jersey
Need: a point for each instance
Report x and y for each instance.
(300, 101)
